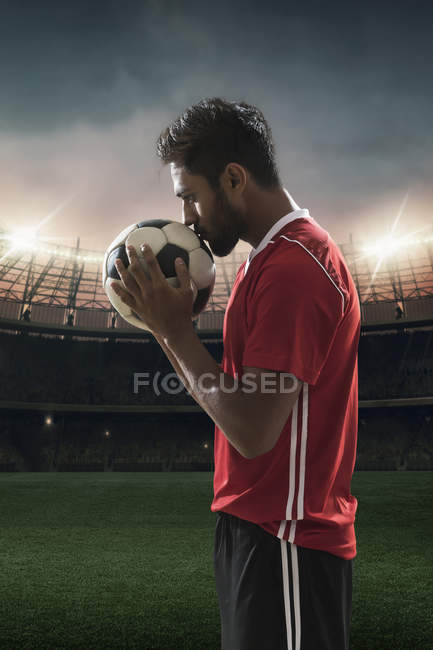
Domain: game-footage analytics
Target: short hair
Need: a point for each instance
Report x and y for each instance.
(215, 132)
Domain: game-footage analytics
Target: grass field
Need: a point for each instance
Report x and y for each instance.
(124, 560)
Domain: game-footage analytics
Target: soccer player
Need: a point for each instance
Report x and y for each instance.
(285, 398)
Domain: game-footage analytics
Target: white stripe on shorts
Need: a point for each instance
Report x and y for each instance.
(295, 594)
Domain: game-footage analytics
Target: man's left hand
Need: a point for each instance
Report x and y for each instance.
(166, 310)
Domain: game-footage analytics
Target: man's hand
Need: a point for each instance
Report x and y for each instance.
(166, 310)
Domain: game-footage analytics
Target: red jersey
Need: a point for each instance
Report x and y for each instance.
(294, 308)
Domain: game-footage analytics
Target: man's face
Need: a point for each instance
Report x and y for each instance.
(209, 211)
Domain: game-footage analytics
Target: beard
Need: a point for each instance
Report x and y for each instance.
(228, 224)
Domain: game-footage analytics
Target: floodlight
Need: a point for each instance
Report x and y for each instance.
(23, 238)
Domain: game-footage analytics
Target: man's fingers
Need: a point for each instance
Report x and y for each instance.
(136, 268)
(194, 289)
(183, 275)
(186, 283)
(126, 277)
(152, 264)
(124, 295)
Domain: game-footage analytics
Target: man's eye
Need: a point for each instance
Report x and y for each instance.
(190, 199)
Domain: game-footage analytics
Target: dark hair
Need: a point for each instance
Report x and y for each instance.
(215, 132)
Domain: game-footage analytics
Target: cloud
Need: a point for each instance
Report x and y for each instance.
(87, 87)
(113, 173)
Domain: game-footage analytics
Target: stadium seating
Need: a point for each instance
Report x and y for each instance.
(42, 373)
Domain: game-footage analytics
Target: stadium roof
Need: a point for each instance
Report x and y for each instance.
(54, 275)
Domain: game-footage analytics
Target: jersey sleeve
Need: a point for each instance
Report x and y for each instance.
(293, 314)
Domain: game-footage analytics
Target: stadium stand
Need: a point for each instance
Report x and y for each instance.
(396, 365)
(98, 423)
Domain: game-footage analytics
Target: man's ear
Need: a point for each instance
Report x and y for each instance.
(234, 177)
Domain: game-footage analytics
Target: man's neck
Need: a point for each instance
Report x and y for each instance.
(266, 209)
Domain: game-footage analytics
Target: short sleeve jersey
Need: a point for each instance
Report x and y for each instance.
(294, 308)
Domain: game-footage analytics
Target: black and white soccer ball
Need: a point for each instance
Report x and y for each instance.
(168, 240)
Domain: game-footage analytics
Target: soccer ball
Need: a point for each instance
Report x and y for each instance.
(168, 240)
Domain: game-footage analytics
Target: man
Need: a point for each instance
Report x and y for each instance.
(26, 314)
(285, 399)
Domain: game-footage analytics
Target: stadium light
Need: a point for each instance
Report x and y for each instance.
(386, 246)
(48, 420)
(390, 245)
(27, 239)
(23, 238)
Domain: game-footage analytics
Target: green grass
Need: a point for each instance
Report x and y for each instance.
(124, 560)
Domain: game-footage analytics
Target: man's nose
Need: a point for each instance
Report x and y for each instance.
(189, 215)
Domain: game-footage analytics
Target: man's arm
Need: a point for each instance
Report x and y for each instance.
(251, 417)
(252, 421)
(174, 363)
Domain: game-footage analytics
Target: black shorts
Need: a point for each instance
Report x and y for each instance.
(274, 595)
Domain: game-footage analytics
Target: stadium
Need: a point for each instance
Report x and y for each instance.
(82, 441)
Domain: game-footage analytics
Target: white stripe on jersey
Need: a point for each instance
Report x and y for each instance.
(292, 468)
(282, 528)
(292, 531)
(300, 510)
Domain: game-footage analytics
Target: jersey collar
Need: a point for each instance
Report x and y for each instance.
(299, 213)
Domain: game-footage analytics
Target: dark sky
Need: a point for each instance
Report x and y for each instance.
(86, 87)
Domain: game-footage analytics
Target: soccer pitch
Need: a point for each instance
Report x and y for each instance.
(125, 560)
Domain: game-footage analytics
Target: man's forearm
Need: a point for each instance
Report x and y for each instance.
(176, 367)
(215, 391)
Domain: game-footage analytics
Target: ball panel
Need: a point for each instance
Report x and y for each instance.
(154, 223)
(173, 281)
(120, 239)
(155, 237)
(104, 268)
(202, 299)
(181, 235)
(166, 258)
(201, 268)
(111, 269)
